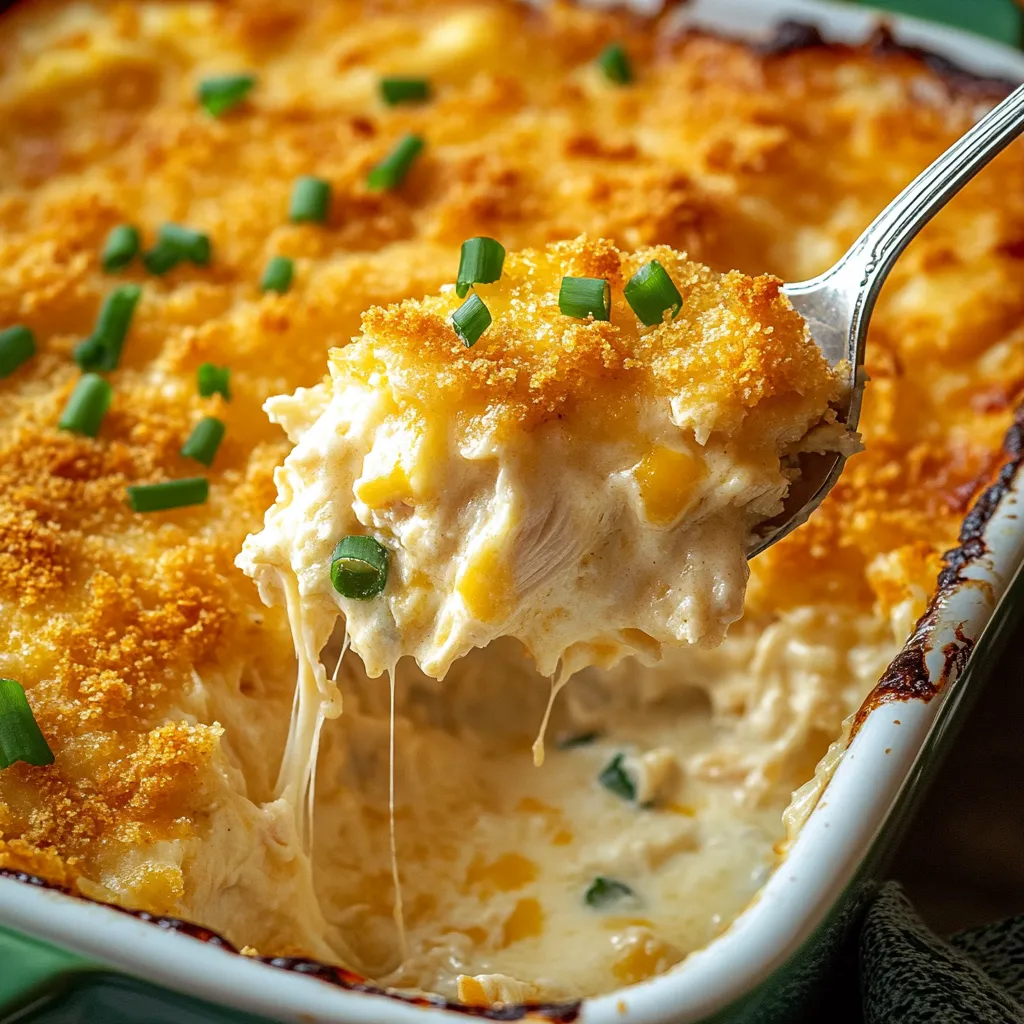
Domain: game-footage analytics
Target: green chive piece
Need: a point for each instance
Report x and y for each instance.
(175, 244)
(20, 736)
(311, 200)
(480, 262)
(88, 353)
(205, 439)
(577, 739)
(603, 892)
(650, 292)
(193, 490)
(614, 62)
(120, 248)
(278, 275)
(614, 778)
(17, 346)
(87, 405)
(214, 380)
(391, 171)
(219, 93)
(583, 297)
(161, 258)
(359, 567)
(193, 246)
(471, 319)
(396, 89)
(102, 349)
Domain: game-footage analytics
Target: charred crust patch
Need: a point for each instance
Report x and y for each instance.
(340, 977)
(907, 678)
(791, 37)
(884, 44)
(557, 1013)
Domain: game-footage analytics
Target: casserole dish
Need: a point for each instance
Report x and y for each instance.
(772, 954)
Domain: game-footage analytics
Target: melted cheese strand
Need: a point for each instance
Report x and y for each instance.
(337, 666)
(314, 755)
(538, 744)
(316, 698)
(396, 880)
(293, 777)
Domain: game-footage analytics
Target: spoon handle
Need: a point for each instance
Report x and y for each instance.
(839, 302)
(895, 227)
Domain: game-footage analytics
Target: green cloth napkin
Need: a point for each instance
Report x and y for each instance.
(908, 975)
(1001, 20)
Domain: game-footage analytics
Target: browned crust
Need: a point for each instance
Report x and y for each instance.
(884, 44)
(753, 352)
(908, 678)
(793, 36)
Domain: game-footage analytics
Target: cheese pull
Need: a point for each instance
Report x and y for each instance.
(571, 447)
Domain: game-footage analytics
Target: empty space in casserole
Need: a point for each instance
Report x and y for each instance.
(164, 685)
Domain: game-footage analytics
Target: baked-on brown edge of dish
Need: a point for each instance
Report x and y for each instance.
(907, 677)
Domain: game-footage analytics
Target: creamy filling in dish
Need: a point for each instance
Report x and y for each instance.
(204, 204)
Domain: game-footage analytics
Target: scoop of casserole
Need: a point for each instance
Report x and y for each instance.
(588, 486)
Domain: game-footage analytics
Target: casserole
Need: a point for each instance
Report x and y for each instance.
(968, 606)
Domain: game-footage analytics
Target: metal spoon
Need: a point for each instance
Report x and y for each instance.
(837, 304)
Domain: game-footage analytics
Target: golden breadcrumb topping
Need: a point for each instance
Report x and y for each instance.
(115, 622)
(735, 342)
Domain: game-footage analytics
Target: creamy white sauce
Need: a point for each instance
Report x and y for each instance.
(578, 574)
(482, 834)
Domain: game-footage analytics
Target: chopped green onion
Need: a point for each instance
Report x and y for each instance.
(193, 490)
(20, 736)
(205, 439)
(17, 346)
(614, 62)
(391, 171)
(175, 243)
(359, 567)
(222, 92)
(278, 275)
(603, 892)
(471, 319)
(194, 246)
(161, 258)
(120, 247)
(583, 297)
(480, 262)
(214, 380)
(87, 405)
(650, 292)
(578, 739)
(102, 349)
(614, 778)
(396, 89)
(311, 200)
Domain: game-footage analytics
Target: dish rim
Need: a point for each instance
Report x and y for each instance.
(877, 765)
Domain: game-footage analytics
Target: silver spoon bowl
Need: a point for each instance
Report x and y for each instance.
(837, 304)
